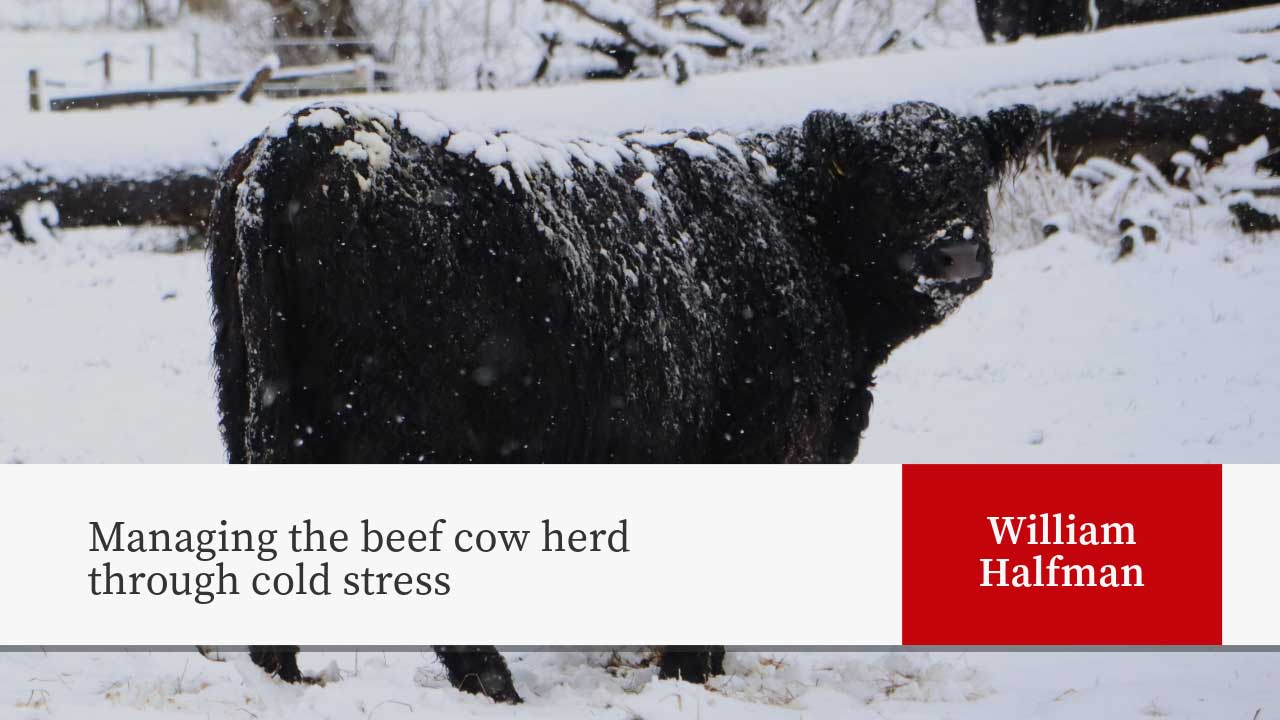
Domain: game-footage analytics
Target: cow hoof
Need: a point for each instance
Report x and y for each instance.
(497, 689)
(480, 670)
(281, 662)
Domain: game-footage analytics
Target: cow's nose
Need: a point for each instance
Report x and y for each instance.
(960, 262)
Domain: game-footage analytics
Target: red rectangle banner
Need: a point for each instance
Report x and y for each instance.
(1062, 555)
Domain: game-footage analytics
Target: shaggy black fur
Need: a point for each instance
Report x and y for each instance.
(405, 307)
(1011, 19)
(478, 669)
(691, 664)
(436, 316)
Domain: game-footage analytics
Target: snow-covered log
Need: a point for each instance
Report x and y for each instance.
(1214, 77)
(129, 167)
(179, 198)
(1008, 20)
(1160, 127)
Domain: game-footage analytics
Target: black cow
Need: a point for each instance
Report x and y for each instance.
(1011, 19)
(388, 291)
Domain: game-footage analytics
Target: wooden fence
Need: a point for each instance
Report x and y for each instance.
(359, 76)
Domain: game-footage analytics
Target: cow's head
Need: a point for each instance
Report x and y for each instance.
(900, 201)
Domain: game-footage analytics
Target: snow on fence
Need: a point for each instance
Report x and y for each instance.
(359, 76)
(1112, 93)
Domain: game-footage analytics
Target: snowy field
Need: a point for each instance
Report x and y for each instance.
(1167, 356)
(569, 685)
(1065, 356)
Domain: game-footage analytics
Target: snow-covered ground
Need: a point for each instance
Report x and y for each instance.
(1065, 356)
(109, 356)
(567, 685)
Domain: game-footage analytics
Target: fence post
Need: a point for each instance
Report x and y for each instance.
(151, 64)
(488, 29)
(259, 79)
(422, 37)
(33, 85)
(366, 73)
(106, 67)
(195, 55)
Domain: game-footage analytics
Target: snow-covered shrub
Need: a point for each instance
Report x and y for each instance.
(809, 30)
(441, 43)
(683, 37)
(465, 44)
(1136, 207)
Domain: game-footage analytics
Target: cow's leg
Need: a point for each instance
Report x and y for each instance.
(691, 664)
(853, 414)
(212, 652)
(278, 660)
(478, 669)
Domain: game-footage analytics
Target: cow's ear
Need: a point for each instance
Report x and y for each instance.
(827, 127)
(1011, 135)
(832, 141)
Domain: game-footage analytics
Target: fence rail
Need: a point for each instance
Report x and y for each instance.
(338, 78)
